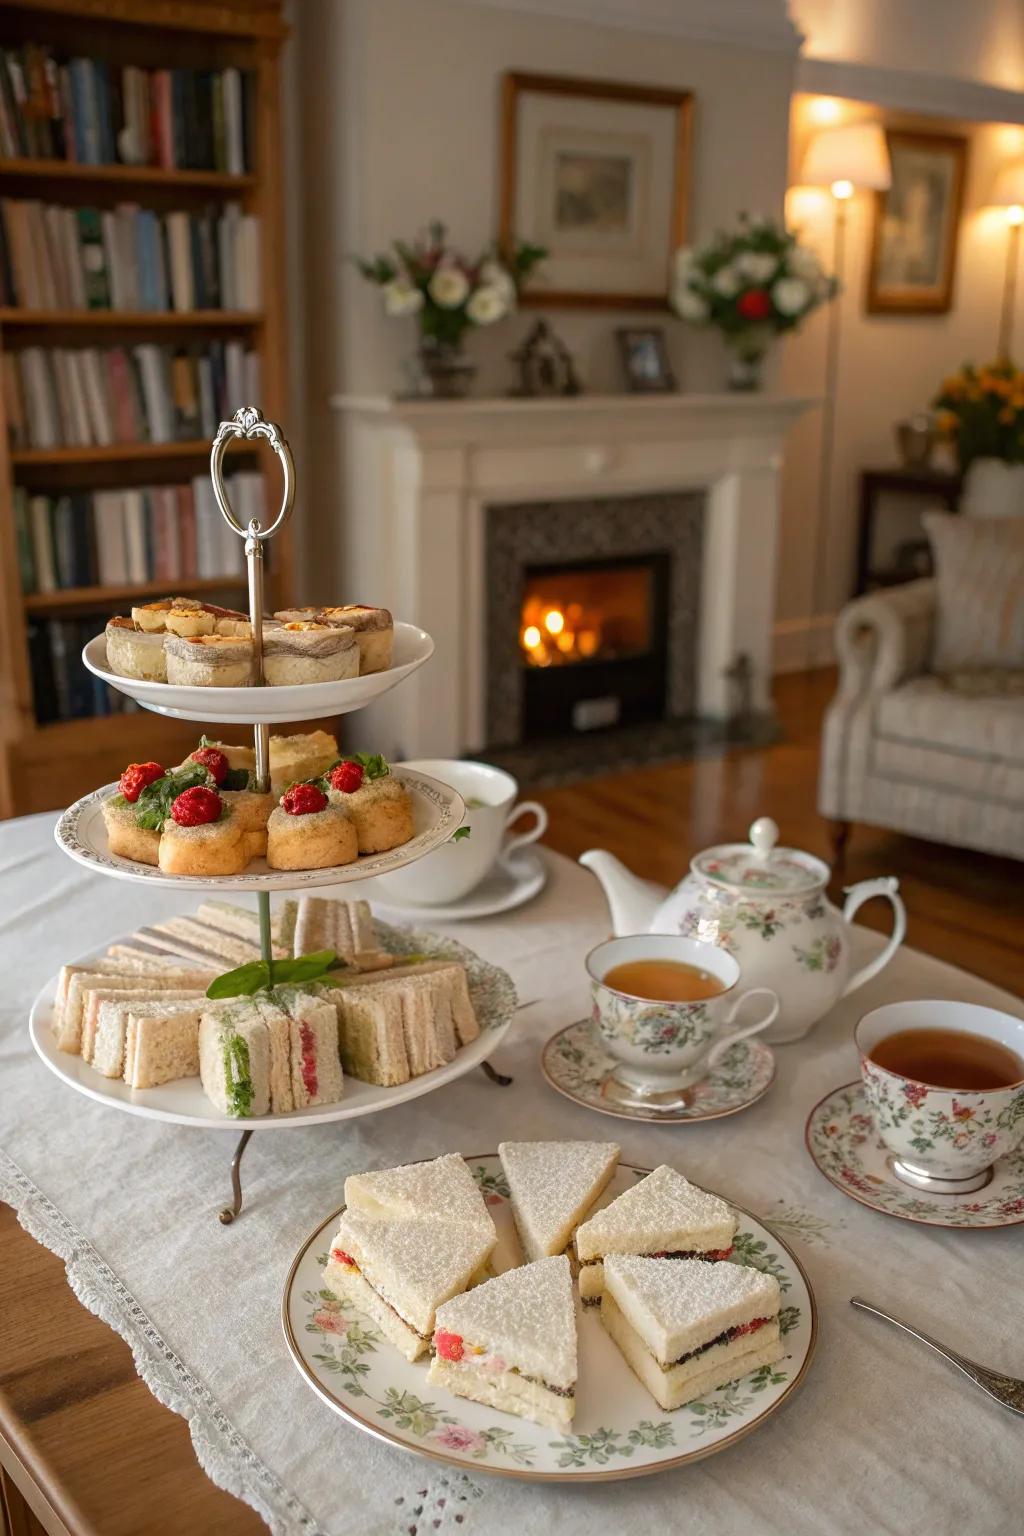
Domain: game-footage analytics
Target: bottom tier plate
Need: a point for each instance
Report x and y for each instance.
(185, 1103)
(619, 1430)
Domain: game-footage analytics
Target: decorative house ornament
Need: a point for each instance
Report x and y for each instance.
(752, 284)
(545, 365)
(598, 173)
(450, 295)
(917, 221)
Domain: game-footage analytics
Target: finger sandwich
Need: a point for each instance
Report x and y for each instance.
(552, 1186)
(664, 1216)
(691, 1327)
(511, 1344)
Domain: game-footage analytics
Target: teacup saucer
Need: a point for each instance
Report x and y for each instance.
(575, 1063)
(846, 1148)
(511, 883)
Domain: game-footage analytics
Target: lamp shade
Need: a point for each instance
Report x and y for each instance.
(856, 153)
(1008, 188)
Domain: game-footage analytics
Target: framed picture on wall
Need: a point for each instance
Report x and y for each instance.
(917, 222)
(599, 174)
(645, 361)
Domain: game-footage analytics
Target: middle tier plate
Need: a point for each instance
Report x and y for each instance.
(437, 812)
(270, 706)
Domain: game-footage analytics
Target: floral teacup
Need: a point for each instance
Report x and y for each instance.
(661, 1046)
(942, 1139)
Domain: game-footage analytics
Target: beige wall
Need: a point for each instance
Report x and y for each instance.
(889, 365)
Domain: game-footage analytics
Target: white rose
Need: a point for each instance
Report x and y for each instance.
(486, 304)
(758, 266)
(402, 297)
(727, 282)
(448, 287)
(689, 305)
(494, 275)
(803, 262)
(791, 295)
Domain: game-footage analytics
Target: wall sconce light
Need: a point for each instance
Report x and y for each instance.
(1008, 193)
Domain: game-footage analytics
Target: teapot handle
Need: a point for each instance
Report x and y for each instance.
(856, 896)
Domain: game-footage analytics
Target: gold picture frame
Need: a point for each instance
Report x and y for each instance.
(597, 196)
(917, 225)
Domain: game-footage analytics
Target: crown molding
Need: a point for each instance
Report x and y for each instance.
(907, 90)
(761, 25)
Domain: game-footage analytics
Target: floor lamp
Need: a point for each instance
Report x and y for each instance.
(1008, 193)
(846, 160)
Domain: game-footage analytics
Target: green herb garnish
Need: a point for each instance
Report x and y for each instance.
(460, 833)
(236, 778)
(237, 1076)
(261, 975)
(153, 806)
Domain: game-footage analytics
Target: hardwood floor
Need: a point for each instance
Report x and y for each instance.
(963, 907)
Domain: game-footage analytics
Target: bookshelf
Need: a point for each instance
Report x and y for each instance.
(43, 766)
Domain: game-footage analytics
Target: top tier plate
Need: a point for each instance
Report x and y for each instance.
(272, 706)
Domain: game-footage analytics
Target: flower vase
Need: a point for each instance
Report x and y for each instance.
(746, 350)
(443, 370)
(993, 488)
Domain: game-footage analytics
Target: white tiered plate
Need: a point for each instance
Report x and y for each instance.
(437, 811)
(185, 1103)
(619, 1430)
(273, 706)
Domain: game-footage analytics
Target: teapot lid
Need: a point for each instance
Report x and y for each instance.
(759, 868)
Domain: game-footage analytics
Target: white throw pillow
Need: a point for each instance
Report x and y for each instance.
(979, 567)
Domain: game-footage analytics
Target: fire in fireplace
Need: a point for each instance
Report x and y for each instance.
(592, 639)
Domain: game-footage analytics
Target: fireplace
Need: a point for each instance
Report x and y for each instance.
(593, 640)
(592, 614)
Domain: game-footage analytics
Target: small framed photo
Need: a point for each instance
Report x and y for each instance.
(645, 361)
(917, 224)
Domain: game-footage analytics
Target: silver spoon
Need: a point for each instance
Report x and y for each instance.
(1008, 1390)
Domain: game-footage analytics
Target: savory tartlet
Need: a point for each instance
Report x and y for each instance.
(306, 651)
(209, 661)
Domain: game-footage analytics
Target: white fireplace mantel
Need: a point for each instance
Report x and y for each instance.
(420, 475)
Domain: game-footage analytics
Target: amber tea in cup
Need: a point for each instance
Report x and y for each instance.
(664, 981)
(948, 1058)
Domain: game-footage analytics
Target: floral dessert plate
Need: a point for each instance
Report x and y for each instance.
(274, 706)
(575, 1063)
(437, 810)
(619, 1430)
(184, 1102)
(846, 1148)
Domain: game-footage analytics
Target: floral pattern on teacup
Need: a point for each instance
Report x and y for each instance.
(654, 1028)
(957, 1133)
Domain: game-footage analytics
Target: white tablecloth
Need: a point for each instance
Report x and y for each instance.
(881, 1436)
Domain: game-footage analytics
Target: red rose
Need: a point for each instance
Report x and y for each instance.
(755, 304)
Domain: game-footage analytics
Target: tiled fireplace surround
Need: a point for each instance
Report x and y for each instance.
(423, 477)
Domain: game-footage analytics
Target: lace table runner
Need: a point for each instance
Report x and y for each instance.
(131, 1207)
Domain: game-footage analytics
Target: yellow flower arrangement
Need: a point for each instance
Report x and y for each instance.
(981, 412)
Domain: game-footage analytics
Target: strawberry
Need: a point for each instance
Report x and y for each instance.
(347, 776)
(343, 1258)
(213, 759)
(303, 800)
(448, 1345)
(135, 778)
(751, 1327)
(195, 807)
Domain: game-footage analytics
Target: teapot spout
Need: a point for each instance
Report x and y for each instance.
(632, 902)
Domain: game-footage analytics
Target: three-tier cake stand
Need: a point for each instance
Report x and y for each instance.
(437, 810)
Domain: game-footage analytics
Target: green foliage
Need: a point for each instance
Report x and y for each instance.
(153, 806)
(261, 975)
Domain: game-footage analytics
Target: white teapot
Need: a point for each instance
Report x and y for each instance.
(766, 906)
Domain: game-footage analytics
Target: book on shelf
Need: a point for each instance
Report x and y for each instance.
(62, 687)
(111, 538)
(91, 112)
(82, 397)
(127, 258)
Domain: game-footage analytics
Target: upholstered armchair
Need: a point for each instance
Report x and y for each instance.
(902, 750)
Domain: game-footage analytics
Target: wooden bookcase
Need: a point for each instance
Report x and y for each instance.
(43, 767)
